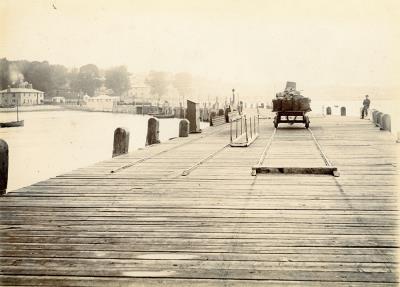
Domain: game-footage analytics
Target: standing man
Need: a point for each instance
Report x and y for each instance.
(365, 108)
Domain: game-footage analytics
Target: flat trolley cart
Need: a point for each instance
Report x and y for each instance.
(291, 117)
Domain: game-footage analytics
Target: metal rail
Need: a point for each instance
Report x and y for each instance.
(266, 149)
(321, 170)
(166, 150)
(196, 165)
(323, 155)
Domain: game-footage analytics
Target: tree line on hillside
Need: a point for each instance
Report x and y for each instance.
(87, 79)
(53, 78)
(159, 81)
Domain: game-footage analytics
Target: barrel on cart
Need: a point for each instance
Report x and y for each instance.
(291, 110)
(291, 117)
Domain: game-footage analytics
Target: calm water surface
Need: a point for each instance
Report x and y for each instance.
(55, 142)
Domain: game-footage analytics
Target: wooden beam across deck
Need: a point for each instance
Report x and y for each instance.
(134, 220)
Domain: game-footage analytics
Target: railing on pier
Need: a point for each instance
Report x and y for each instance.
(244, 130)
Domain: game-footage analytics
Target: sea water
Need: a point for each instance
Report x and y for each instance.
(55, 142)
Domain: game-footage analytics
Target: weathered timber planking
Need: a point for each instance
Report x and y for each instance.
(169, 282)
(218, 225)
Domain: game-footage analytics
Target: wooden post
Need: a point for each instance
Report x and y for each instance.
(241, 125)
(193, 115)
(378, 122)
(3, 167)
(212, 116)
(251, 130)
(328, 111)
(121, 142)
(245, 128)
(153, 130)
(236, 121)
(371, 114)
(183, 128)
(386, 123)
(227, 111)
(230, 129)
(374, 116)
(205, 114)
(343, 111)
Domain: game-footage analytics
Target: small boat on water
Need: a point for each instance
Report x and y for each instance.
(13, 124)
(162, 116)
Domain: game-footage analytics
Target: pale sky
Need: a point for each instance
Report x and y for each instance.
(320, 44)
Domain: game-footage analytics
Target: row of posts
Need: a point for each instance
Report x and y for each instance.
(120, 146)
(381, 120)
(189, 125)
(121, 135)
(328, 111)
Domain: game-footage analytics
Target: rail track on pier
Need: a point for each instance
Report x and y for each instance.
(147, 225)
(294, 150)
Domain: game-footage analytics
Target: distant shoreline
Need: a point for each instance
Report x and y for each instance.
(38, 108)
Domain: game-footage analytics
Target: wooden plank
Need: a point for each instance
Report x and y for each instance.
(8, 280)
(328, 170)
(218, 225)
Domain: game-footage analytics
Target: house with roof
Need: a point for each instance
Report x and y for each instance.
(23, 95)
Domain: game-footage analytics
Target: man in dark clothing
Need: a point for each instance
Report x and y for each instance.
(365, 108)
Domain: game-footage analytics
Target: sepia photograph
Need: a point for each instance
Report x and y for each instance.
(199, 143)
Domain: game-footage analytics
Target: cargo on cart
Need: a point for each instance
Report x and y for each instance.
(291, 107)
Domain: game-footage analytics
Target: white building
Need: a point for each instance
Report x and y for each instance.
(58, 100)
(23, 96)
(102, 103)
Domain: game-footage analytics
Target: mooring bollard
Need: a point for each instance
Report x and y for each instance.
(212, 116)
(378, 122)
(328, 111)
(3, 167)
(121, 142)
(206, 115)
(371, 114)
(386, 123)
(153, 130)
(227, 111)
(374, 116)
(343, 111)
(183, 128)
(193, 115)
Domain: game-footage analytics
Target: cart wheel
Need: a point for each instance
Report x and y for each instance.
(276, 122)
(307, 122)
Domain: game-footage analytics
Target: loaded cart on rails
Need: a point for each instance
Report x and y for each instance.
(291, 107)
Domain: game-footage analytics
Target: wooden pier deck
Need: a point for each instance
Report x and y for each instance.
(136, 221)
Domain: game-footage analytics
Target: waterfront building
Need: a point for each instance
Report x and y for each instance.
(23, 95)
(58, 100)
(102, 103)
